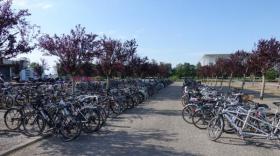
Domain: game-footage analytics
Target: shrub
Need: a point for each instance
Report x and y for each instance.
(271, 74)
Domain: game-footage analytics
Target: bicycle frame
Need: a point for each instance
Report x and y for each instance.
(232, 116)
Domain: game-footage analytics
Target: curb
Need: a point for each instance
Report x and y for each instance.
(21, 146)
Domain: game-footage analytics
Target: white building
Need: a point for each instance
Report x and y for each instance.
(209, 59)
(26, 74)
(6, 69)
(14, 68)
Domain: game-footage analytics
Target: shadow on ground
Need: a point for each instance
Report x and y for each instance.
(9, 134)
(143, 111)
(258, 142)
(115, 143)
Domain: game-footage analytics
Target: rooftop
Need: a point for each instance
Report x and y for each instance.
(216, 55)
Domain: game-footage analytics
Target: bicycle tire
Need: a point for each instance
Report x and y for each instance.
(201, 118)
(8, 101)
(68, 122)
(187, 113)
(18, 119)
(92, 118)
(216, 125)
(33, 119)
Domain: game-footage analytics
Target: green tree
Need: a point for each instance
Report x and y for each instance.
(271, 74)
(37, 68)
(185, 70)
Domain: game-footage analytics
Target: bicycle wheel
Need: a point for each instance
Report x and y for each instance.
(184, 100)
(13, 118)
(92, 120)
(135, 100)
(129, 103)
(8, 101)
(33, 124)
(141, 97)
(70, 128)
(278, 135)
(106, 109)
(187, 113)
(103, 116)
(215, 128)
(201, 118)
(116, 108)
(228, 127)
(123, 106)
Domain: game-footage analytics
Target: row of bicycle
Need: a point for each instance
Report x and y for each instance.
(54, 109)
(229, 112)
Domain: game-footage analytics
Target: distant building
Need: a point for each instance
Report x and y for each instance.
(7, 68)
(209, 59)
(26, 74)
(13, 68)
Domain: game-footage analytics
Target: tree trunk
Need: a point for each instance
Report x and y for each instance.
(73, 85)
(216, 81)
(108, 80)
(230, 80)
(221, 84)
(243, 82)
(207, 81)
(107, 83)
(278, 82)
(254, 80)
(251, 79)
(263, 87)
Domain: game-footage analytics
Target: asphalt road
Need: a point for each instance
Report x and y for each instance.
(153, 128)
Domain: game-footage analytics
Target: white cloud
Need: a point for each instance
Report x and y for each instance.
(20, 3)
(37, 4)
(42, 5)
(46, 6)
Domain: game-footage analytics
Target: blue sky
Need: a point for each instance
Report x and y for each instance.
(174, 31)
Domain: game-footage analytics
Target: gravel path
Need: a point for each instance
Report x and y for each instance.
(154, 128)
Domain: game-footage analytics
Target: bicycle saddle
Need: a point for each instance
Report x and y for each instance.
(276, 104)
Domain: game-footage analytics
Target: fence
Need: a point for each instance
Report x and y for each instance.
(271, 88)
